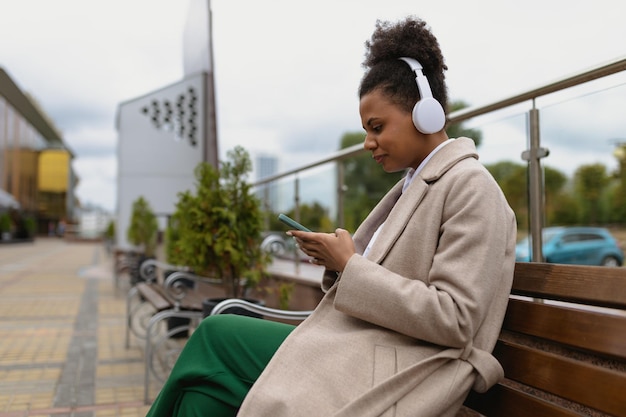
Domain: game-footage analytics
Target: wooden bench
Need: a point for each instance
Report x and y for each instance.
(562, 344)
(124, 262)
(162, 310)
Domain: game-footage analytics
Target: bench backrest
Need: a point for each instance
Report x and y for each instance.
(562, 345)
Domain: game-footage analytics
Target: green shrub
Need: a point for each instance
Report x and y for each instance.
(143, 229)
(219, 226)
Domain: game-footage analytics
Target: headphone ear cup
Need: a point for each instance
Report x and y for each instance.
(428, 116)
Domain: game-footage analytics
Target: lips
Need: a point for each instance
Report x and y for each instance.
(378, 158)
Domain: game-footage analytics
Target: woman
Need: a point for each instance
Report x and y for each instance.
(414, 302)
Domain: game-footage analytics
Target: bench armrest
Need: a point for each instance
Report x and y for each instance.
(264, 311)
(175, 286)
(148, 269)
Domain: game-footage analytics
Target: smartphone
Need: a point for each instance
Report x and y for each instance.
(292, 223)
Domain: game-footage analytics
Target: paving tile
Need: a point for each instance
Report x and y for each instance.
(62, 329)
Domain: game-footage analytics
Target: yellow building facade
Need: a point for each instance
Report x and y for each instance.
(35, 164)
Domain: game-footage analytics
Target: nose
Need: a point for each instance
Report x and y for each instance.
(369, 143)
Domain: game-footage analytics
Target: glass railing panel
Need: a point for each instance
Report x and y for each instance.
(318, 197)
(581, 126)
(585, 173)
(309, 197)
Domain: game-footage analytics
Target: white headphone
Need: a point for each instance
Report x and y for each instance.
(428, 115)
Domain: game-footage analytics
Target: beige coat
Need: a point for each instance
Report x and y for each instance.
(407, 330)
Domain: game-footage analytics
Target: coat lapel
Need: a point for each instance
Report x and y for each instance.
(399, 216)
(376, 217)
(397, 208)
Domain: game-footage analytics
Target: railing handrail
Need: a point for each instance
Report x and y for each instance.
(336, 156)
(599, 71)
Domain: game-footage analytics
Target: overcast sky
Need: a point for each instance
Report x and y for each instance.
(286, 71)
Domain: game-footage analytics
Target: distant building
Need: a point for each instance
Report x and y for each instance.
(161, 139)
(266, 166)
(163, 135)
(92, 222)
(35, 164)
(56, 182)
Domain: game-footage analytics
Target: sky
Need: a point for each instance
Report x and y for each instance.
(286, 71)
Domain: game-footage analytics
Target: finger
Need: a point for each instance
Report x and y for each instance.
(297, 233)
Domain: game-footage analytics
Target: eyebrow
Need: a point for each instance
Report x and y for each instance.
(370, 120)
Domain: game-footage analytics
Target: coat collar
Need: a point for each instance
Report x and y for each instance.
(447, 157)
(396, 208)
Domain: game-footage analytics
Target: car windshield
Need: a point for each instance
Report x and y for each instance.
(547, 236)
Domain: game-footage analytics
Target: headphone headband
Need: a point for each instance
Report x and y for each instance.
(422, 82)
(428, 114)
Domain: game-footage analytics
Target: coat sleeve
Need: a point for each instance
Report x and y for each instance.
(470, 251)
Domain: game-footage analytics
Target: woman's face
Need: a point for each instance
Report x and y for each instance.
(391, 137)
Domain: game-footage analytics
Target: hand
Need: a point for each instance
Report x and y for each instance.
(331, 250)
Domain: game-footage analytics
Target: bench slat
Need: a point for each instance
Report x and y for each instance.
(597, 332)
(193, 301)
(562, 376)
(150, 293)
(573, 283)
(564, 352)
(501, 401)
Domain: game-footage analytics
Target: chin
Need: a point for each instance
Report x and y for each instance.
(392, 170)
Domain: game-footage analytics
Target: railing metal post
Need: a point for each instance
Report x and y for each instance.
(341, 188)
(535, 184)
(296, 198)
(296, 213)
(266, 204)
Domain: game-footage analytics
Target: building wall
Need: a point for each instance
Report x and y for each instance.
(161, 139)
(24, 187)
(54, 170)
(25, 132)
(54, 180)
(266, 166)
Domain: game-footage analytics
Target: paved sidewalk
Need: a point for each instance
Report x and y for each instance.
(62, 334)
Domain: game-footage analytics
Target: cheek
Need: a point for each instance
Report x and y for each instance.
(403, 141)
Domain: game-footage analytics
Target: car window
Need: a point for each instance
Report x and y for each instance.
(581, 237)
(570, 238)
(591, 236)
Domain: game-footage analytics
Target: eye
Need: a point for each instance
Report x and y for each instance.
(377, 128)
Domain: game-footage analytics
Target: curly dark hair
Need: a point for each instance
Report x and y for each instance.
(412, 38)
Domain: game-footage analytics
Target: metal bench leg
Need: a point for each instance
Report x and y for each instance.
(129, 298)
(150, 351)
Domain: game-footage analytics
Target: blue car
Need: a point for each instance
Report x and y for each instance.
(575, 245)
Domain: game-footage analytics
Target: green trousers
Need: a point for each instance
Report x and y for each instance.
(218, 365)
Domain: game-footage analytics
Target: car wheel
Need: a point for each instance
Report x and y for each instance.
(610, 261)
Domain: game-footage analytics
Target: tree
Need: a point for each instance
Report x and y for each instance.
(565, 209)
(143, 228)
(217, 229)
(617, 197)
(554, 181)
(590, 182)
(456, 130)
(618, 190)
